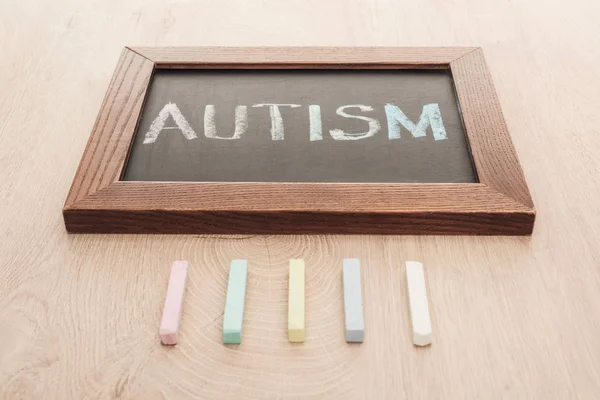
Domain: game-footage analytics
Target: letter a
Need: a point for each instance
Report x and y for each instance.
(158, 125)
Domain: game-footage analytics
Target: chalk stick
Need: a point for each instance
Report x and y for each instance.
(169, 325)
(296, 302)
(233, 318)
(419, 310)
(353, 305)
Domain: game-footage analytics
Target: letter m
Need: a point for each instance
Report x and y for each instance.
(431, 116)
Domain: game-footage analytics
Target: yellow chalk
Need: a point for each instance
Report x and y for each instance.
(296, 302)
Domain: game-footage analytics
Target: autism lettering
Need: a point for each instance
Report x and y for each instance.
(431, 117)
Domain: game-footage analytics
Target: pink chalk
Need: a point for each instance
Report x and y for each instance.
(169, 326)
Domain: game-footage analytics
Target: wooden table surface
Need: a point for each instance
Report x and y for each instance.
(513, 317)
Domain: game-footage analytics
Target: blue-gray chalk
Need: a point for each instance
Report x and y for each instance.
(353, 306)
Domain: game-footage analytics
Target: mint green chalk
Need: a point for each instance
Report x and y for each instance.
(233, 318)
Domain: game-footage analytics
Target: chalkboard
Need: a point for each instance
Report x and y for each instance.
(291, 140)
(353, 126)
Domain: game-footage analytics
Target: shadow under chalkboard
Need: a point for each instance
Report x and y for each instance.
(239, 137)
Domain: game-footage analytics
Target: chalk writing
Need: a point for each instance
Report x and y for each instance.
(374, 125)
(210, 127)
(431, 117)
(316, 126)
(276, 120)
(159, 124)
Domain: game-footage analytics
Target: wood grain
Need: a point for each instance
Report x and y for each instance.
(338, 197)
(513, 317)
(494, 155)
(111, 136)
(265, 208)
(303, 57)
(193, 207)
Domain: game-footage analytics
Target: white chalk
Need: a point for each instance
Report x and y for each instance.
(210, 126)
(353, 305)
(169, 326)
(158, 125)
(316, 125)
(374, 125)
(277, 130)
(296, 302)
(419, 310)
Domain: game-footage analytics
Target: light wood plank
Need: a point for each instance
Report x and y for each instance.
(79, 313)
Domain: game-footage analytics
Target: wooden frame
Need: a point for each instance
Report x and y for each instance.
(500, 204)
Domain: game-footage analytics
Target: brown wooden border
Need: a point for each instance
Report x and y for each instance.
(500, 204)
